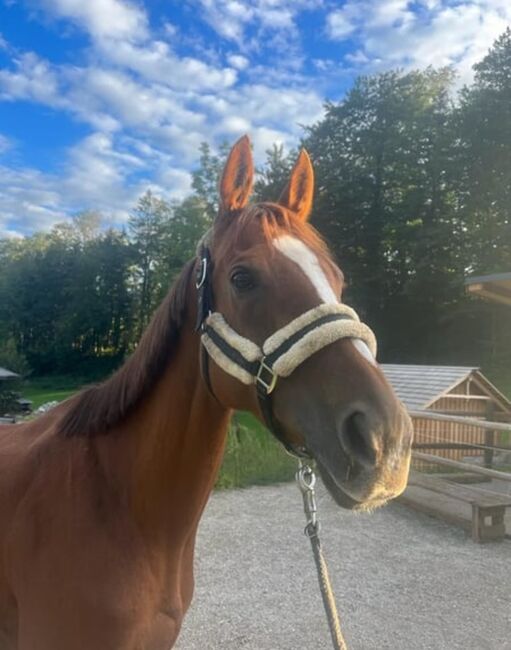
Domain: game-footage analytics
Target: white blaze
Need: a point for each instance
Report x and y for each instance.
(300, 254)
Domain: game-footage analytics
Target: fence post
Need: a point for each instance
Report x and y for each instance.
(489, 436)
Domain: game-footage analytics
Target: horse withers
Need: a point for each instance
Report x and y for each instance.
(100, 498)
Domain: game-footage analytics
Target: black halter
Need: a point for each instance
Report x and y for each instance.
(265, 379)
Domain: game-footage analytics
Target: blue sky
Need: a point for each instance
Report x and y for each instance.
(103, 99)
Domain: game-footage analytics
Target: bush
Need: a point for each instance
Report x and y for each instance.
(13, 360)
(8, 401)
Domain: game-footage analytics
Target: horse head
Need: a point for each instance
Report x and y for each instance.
(279, 342)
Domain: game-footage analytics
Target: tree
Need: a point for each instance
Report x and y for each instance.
(206, 178)
(382, 159)
(147, 227)
(484, 124)
(273, 176)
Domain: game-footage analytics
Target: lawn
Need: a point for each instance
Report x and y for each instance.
(252, 455)
(43, 389)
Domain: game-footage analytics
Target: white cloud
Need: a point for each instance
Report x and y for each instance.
(175, 119)
(391, 33)
(27, 201)
(231, 18)
(32, 79)
(117, 19)
(5, 144)
(99, 173)
(178, 179)
(156, 62)
(227, 17)
(340, 24)
(237, 61)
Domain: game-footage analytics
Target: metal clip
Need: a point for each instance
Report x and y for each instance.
(202, 273)
(268, 385)
(306, 479)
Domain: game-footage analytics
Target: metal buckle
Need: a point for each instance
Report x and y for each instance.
(201, 275)
(268, 385)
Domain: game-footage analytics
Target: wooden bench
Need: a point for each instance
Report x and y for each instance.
(488, 508)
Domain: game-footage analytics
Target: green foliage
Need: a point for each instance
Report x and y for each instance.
(206, 179)
(274, 175)
(11, 359)
(8, 400)
(484, 127)
(391, 171)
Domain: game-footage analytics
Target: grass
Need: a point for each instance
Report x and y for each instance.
(41, 390)
(252, 455)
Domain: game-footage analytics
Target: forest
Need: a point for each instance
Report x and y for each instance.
(413, 194)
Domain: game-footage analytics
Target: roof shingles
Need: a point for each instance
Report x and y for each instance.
(417, 386)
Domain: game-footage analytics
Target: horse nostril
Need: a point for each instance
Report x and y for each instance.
(357, 439)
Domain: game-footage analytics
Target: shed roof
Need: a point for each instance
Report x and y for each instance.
(417, 386)
(7, 374)
(496, 287)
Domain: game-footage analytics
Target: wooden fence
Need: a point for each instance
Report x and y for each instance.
(455, 437)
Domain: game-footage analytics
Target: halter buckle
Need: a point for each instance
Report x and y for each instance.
(202, 272)
(268, 383)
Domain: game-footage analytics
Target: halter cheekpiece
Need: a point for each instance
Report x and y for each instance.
(280, 354)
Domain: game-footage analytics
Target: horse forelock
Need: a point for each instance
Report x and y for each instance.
(235, 231)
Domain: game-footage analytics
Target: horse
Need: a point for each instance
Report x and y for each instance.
(101, 497)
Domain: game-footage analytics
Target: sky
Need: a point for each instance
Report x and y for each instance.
(101, 100)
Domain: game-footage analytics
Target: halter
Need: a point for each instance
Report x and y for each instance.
(280, 354)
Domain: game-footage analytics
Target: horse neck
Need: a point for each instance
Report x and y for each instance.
(169, 451)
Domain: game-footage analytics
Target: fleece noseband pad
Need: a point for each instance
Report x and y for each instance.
(288, 347)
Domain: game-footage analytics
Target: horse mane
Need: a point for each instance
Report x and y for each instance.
(98, 408)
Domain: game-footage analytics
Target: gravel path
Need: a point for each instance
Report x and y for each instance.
(403, 581)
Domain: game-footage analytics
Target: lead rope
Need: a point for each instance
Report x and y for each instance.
(306, 479)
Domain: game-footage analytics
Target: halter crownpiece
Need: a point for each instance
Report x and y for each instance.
(281, 353)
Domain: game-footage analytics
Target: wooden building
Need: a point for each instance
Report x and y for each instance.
(496, 287)
(7, 374)
(453, 390)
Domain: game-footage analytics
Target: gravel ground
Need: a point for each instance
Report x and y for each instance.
(403, 581)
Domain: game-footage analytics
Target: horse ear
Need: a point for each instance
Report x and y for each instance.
(298, 194)
(237, 178)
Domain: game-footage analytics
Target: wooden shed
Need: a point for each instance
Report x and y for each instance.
(496, 287)
(453, 390)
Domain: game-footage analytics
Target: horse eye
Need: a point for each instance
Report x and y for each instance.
(242, 280)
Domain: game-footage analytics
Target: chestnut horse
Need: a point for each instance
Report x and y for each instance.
(101, 497)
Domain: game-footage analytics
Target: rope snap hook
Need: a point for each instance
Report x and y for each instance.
(306, 479)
